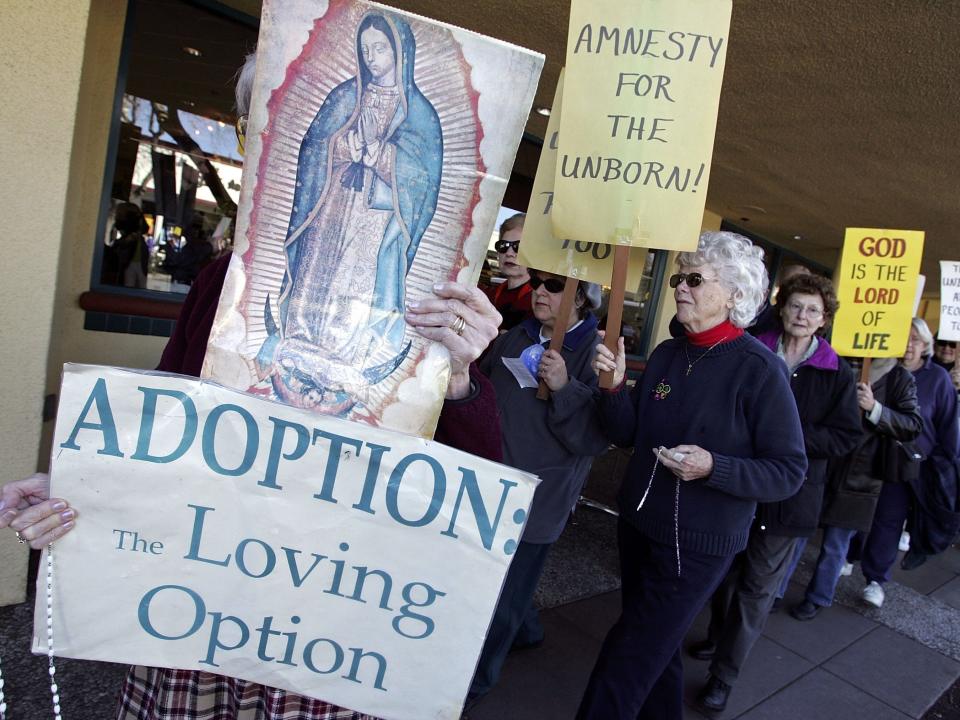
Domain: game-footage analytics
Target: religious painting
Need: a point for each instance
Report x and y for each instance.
(377, 151)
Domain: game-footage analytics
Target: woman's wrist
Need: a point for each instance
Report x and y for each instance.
(459, 385)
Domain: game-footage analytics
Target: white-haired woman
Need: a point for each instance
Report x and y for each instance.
(938, 444)
(715, 429)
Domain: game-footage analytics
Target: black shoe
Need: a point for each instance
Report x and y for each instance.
(713, 698)
(805, 611)
(777, 604)
(912, 560)
(703, 650)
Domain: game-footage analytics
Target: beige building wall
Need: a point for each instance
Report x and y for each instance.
(60, 70)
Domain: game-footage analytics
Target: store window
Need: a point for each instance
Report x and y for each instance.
(173, 175)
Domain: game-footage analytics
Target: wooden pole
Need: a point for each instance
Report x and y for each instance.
(560, 326)
(865, 371)
(618, 288)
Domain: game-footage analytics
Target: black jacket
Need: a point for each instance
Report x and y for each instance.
(826, 394)
(854, 481)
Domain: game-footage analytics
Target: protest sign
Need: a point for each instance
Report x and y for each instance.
(378, 149)
(949, 301)
(226, 533)
(543, 250)
(876, 289)
(640, 110)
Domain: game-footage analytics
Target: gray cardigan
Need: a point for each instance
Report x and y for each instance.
(555, 439)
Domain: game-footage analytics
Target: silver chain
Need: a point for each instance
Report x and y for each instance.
(676, 506)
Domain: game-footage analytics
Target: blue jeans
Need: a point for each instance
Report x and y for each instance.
(792, 565)
(833, 554)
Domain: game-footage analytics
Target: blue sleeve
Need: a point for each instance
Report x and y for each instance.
(618, 415)
(779, 464)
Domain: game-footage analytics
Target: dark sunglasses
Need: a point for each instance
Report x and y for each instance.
(947, 343)
(553, 285)
(693, 279)
(501, 246)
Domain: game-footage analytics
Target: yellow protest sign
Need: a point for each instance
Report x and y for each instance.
(640, 112)
(543, 250)
(877, 284)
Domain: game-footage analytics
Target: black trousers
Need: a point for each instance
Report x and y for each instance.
(639, 673)
(513, 607)
(741, 605)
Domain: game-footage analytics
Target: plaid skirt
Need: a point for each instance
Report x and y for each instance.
(161, 694)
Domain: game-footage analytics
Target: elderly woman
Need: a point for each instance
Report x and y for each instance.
(890, 417)
(714, 429)
(825, 390)
(513, 298)
(939, 445)
(945, 355)
(556, 439)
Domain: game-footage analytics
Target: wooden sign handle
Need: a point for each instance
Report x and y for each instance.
(865, 371)
(560, 326)
(618, 288)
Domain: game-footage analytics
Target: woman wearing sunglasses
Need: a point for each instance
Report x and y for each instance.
(555, 439)
(945, 355)
(513, 298)
(714, 429)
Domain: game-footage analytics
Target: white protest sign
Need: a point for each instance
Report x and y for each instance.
(949, 301)
(222, 532)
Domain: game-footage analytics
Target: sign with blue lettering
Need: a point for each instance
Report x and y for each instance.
(227, 533)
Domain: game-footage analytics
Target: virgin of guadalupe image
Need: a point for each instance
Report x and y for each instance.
(367, 181)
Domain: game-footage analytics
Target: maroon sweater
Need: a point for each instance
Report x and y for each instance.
(471, 424)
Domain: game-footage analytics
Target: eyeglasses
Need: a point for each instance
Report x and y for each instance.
(947, 344)
(552, 285)
(501, 246)
(810, 310)
(693, 279)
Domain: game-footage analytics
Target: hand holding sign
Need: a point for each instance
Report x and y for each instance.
(27, 508)
(456, 307)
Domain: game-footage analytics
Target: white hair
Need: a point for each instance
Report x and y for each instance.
(244, 88)
(740, 268)
(923, 330)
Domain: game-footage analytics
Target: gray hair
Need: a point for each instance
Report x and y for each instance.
(923, 330)
(740, 268)
(244, 88)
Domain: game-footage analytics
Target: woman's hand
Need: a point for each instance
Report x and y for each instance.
(605, 360)
(368, 127)
(687, 462)
(553, 370)
(456, 307)
(26, 506)
(865, 397)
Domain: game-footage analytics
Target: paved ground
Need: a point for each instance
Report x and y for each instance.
(851, 662)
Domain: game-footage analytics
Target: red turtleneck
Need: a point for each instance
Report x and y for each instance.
(718, 333)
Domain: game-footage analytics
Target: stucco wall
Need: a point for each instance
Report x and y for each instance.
(42, 57)
(60, 64)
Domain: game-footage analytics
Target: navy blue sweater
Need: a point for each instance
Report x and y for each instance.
(737, 404)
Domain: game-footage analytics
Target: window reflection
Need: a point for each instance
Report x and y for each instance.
(176, 178)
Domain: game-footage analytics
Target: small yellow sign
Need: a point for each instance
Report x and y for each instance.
(541, 249)
(877, 285)
(640, 113)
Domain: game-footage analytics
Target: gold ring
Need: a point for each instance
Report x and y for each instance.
(20, 539)
(459, 325)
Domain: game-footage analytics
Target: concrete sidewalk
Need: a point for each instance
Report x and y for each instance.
(850, 662)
